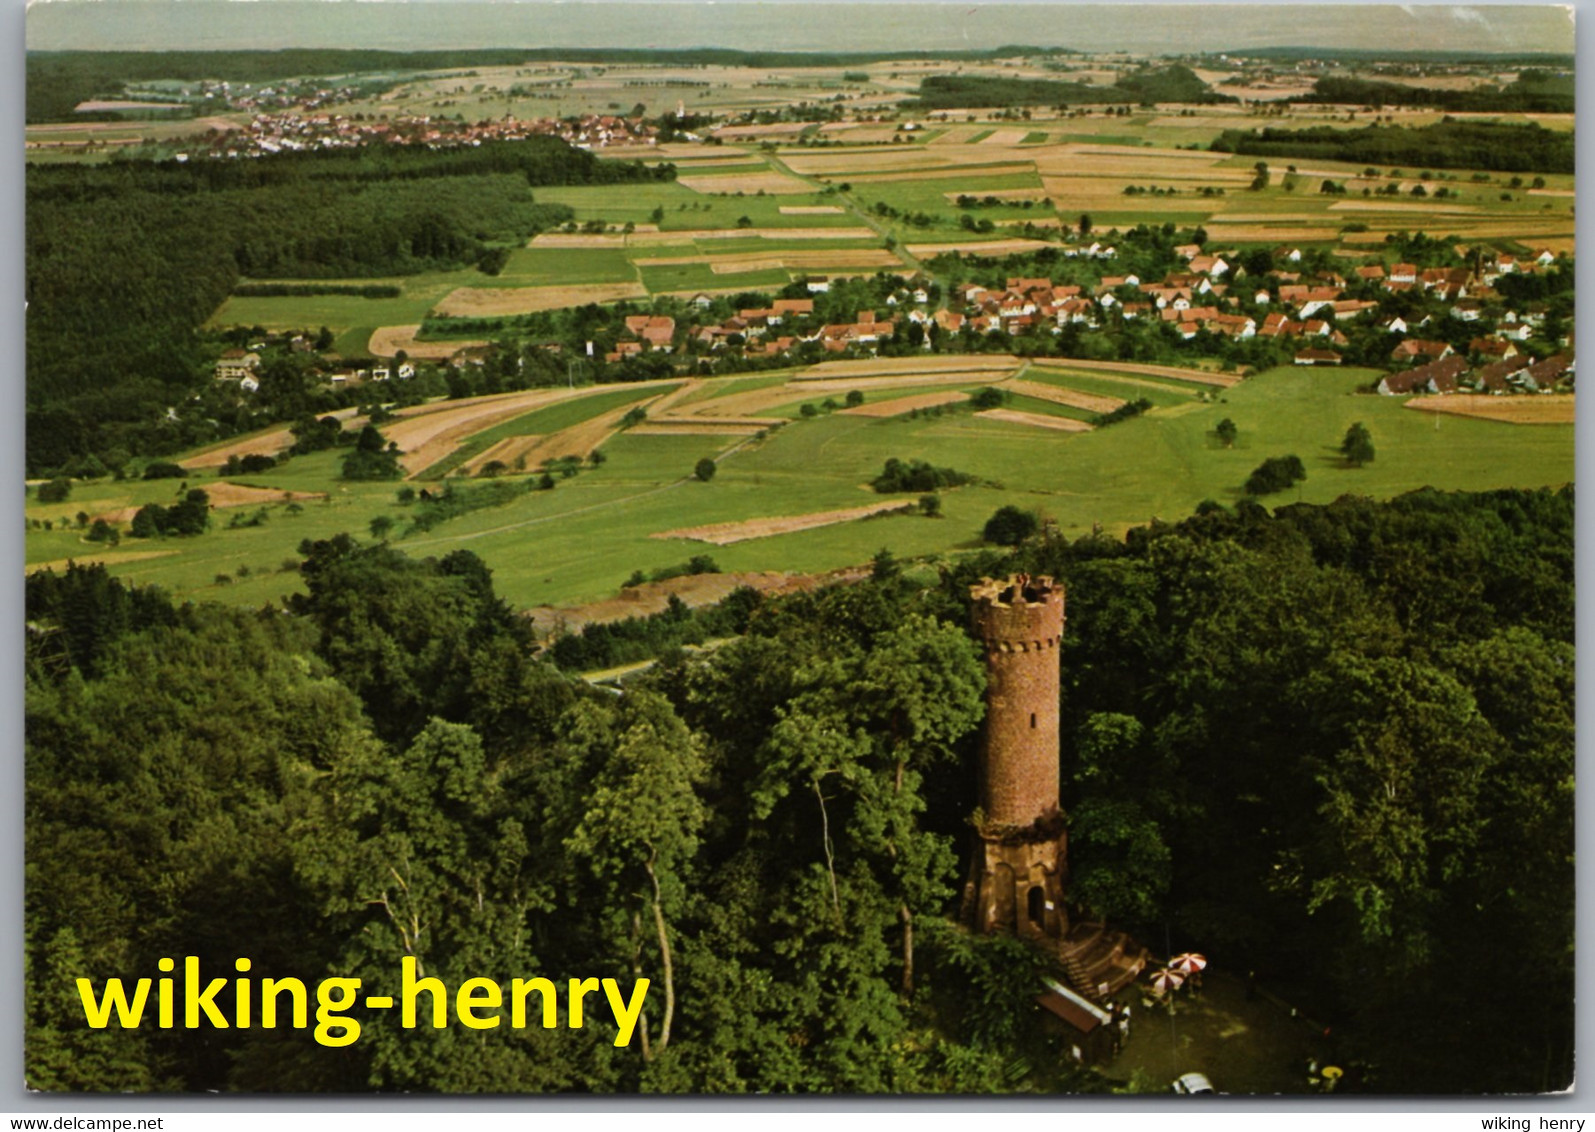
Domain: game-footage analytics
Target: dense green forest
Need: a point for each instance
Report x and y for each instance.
(1332, 745)
(1445, 144)
(1174, 83)
(58, 80)
(1504, 147)
(126, 260)
(1532, 92)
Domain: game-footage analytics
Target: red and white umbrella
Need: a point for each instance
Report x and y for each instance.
(1188, 964)
(1167, 980)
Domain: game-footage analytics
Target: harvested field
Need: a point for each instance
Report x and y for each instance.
(724, 534)
(867, 367)
(1004, 137)
(1155, 153)
(845, 162)
(1135, 164)
(1245, 232)
(386, 341)
(1525, 231)
(479, 302)
(960, 377)
(677, 395)
(774, 129)
(692, 426)
(937, 174)
(770, 182)
(744, 407)
(1014, 416)
(428, 433)
(689, 235)
(898, 406)
(1552, 193)
(681, 149)
(852, 133)
(958, 135)
(1268, 217)
(1201, 377)
(577, 240)
(1394, 206)
(976, 247)
(429, 437)
(1545, 408)
(761, 261)
(224, 495)
(534, 451)
(720, 163)
(812, 210)
(1090, 402)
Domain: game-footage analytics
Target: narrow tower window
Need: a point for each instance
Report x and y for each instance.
(1036, 898)
(1032, 721)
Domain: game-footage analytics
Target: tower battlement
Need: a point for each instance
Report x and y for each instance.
(1018, 614)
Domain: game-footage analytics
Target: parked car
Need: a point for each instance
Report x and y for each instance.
(1194, 1085)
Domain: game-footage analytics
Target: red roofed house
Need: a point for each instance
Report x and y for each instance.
(1420, 348)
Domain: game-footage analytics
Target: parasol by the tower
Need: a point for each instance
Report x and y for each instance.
(1167, 980)
(1188, 964)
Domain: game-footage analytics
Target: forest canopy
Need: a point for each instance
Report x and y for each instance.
(1501, 146)
(1174, 83)
(126, 260)
(1332, 745)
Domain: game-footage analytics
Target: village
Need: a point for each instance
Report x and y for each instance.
(1311, 312)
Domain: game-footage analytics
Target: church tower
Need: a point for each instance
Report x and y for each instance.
(1018, 877)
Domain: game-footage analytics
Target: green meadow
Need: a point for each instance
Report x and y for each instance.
(580, 540)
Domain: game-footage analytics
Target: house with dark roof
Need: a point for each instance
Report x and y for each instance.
(1436, 377)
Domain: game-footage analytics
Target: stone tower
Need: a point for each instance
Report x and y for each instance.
(1018, 877)
(1019, 872)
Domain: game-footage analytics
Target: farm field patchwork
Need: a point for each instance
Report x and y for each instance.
(542, 546)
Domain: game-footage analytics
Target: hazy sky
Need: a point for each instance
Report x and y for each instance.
(866, 25)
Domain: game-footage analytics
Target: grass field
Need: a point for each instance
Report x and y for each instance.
(581, 540)
(1066, 167)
